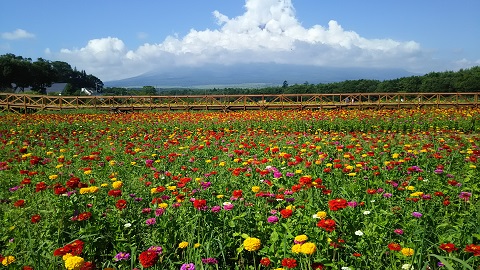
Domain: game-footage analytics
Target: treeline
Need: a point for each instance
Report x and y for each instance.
(464, 80)
(18, 73)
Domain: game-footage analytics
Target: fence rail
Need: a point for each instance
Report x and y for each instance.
(23, 103)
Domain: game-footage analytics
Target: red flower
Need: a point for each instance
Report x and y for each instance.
(199, 203)
(318, 266)
(265, 262)
(121, 204)
(475, 249)
(115, 192)
(84, 216)
(73, 182)
(88, 266)
(289, 262)
(327, 224)
(27, 267)
(40, 186)
(286, 213)
(356, 254)
(337, 204)
(448, 247)
(237, 193)
(394, 247)
(148, 258)
(76, 247)
(19, 203)
(61, 251)
(36, 218)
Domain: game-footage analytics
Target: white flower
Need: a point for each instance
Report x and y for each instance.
(346, 268)
(407, 266)
(372, 201)
(227, 203)
(127, 225)
(366, 212)
(359, 233)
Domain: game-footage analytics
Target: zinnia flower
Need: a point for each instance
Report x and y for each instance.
(448, 247)
(183, 244)
(308, 248)
(8, 260)
(148, 258)
(74, 262)
(252, 244)
(122, 256)
(417, 214)
(289, 262)
(407, 252)
(272, 219)
(187, 266)
(327, 224)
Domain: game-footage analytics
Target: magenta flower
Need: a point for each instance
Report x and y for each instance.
(187, 266)
(417, 214)
(398, 231)
(465, 196)
(122, 256)
(216, 209)
(151, 221)
(272, 219)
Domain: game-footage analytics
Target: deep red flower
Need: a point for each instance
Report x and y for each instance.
(286, 213)
(76, 247)
(327, 224)
(88, 266)
(337, 204)
(148, 258)
(59, 190)
(394, 247)
(121, 204)
(289, 262)
(475, 249)
(61, 251)
(73, 182)
(265, 262)
(19, 203)
(27, 267)
(36, 218)
(40, 186)
(84, 216)
(115, 192)
(448, 247)
(318, 266)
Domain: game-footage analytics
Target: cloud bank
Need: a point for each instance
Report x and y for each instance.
(268, 31)
(17, 34)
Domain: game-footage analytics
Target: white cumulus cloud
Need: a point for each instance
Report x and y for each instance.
(17, 34)
(268, 31)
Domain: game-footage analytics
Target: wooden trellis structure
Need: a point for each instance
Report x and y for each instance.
(23, 103)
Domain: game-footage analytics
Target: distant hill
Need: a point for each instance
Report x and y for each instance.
(254, 76)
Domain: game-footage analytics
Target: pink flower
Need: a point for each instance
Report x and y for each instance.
(398, 231)
(272, 219)
(151, 221)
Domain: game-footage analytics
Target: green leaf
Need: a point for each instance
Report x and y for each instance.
(245, 236)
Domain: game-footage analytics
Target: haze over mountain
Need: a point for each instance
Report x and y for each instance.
(254, 75)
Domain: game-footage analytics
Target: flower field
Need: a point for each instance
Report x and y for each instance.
(348, 189)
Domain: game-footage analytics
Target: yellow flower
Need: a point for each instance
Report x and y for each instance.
(320, 215)
(411, 188)
(104, 185)
(163, 205)
(407, 251)
(153, 190)
(308, 248)
(59, 166)
(301, 238)
(183, 244)
(74, 263)
(171, 188)
(220, 196)
(416, 194)
(197, 245)
(112, 162)
(255, 189)
(84, 190)
(53, 177)
(117, 184)
(252, 244)
(8, 260)
(87, 172)
(297, 248)
(93, 189)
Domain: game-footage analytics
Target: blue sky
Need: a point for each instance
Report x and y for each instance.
(114, 39)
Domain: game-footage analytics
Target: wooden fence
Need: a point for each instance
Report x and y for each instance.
(23, 103)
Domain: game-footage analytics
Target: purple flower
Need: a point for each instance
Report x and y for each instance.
(209, 261)
(277, 174)
(417, 214)
(151, 221)
(289, 174)
(438, 171)
(228, 206)
(272, 219)
(387, 195)
(465, 196)
(122, 256)
(187, 266)
(398, 231)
